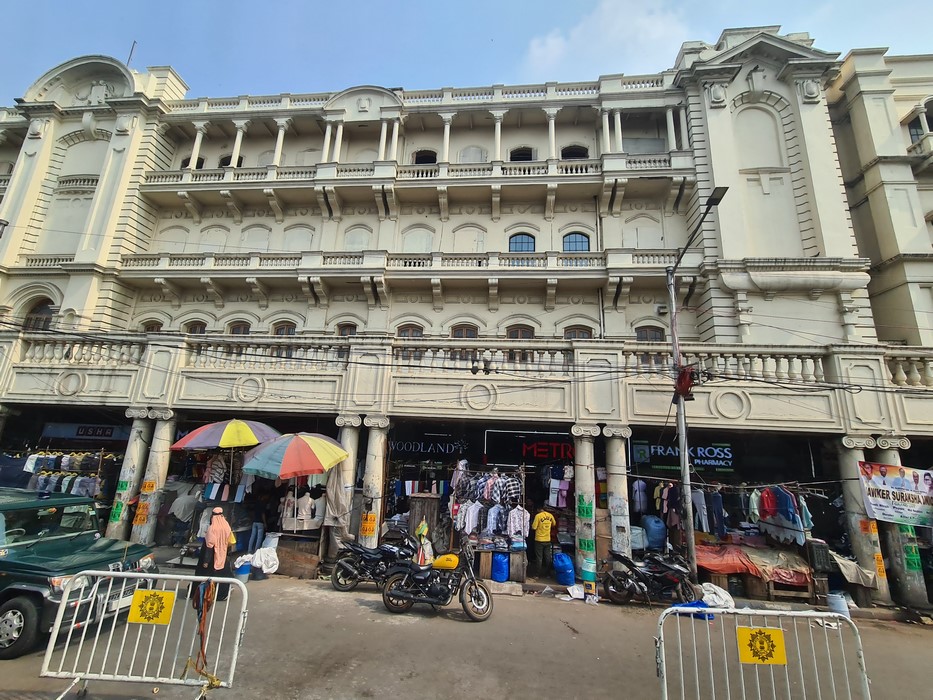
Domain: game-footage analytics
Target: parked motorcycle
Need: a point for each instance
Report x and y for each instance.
(358, 564)
(654, 578)
(437, 583)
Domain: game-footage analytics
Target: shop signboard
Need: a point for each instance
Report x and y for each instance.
(709, 457)
(513, 447)
(897, 494)
(86, 431)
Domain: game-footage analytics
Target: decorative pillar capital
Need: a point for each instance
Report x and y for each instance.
(551, 113)
(617, 431)
(584, 430)
(137, 413)
(349, 420)
(447, 117)
(242, 124)
(376, 421)
(201, 127)
(283, 123)
(161, 413)
(892, 442)
(855, 442)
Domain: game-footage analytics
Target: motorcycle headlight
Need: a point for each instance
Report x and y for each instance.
(58, 583)
(147, 563)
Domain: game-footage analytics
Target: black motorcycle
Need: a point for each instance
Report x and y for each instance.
(654, 578)
(437, 583)
(358, 564)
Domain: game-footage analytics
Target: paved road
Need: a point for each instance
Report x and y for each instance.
(306, 641)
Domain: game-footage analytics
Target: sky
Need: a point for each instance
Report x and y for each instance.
(225, 48)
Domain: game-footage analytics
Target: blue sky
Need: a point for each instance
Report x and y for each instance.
(236, 47)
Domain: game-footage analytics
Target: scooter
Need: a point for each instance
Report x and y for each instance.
(654, 578)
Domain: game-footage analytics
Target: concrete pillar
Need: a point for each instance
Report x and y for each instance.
(374, 476)
(617, 485)
(325, 149)
(606, 147)
(150, 495)
(551, 133)
(671, 136)
(337, 524)
(863, 532)
(383, 130)
(338, 142)
(925, 122)
(617, 118)
(241, 127)
(393, 149)
(584, 477)
(200, 129)
(445, 151)
(131, 473)
(497, 143)
(684, 132)
(280, 140)
(350, 439)
(899, 542)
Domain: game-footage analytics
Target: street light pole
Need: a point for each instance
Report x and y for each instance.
(683, 446)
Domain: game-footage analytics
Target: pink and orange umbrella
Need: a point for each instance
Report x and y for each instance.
(294, 454)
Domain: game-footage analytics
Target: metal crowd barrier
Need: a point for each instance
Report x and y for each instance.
(745, 653)
(149, 628)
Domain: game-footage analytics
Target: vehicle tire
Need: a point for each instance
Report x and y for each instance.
(395, 605)
(476, 600)
(687, 592)
(19, 627)
(341, 579)
(616, 590)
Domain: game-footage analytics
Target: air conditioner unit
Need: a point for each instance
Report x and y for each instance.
(661, 309)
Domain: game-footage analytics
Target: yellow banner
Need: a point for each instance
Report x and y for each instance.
(761, 645)
(368, 525)
(151, 607)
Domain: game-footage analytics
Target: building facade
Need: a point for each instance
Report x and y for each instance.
(384, 263)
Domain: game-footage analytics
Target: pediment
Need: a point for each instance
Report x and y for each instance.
(84, 81)
(776, 49)
(364, 103)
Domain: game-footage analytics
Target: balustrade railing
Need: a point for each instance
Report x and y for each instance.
(470, 170)
(910, 369)
(48, 260)
(523, 169)
(579, 167)
(418, 172)
(648, 162)
(77, 182)
(62, 350)
(277, 354)
(250, 174)
(355, 170)
(5, 181)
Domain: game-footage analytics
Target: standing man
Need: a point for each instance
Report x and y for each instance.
(542, 525)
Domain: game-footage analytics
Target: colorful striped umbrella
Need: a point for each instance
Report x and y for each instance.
(227, 433)
(294, 454)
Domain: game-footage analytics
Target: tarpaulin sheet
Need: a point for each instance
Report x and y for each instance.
(779, 565)
(725, 559)
(853, 573)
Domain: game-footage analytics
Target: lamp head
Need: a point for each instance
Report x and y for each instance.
(716, 196)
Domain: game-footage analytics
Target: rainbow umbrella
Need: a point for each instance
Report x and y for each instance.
(294, 454)
(227, 433)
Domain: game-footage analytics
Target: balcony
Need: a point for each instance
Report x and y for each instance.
(4, 183)
(923, 150)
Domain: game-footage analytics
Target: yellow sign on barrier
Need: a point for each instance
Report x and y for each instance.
(761, 645)
(151, 607)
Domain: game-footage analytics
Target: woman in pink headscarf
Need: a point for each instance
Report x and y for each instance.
(213, 559)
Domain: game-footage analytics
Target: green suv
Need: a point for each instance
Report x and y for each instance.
(45, 539)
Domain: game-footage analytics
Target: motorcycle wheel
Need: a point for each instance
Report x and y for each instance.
(476, 601)
(616, 590)
(393, 604)
(687, 592)
(341, 579)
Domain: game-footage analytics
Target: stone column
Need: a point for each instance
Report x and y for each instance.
(200, 129)
(383, 130)
(584, 478)
(393, 149)
(150, 495)
(617, 485)
(863, 532)
(241, 126)
(551, 133)
(497, 142)
(131, 473)
(684, 131)
(374, 476)
(336, 531)
(899, 542)
(338, 142)
(325, 149)
(671, 136)
(445, 151)
(925, 122)
(617, 118)
(607, 148)
(280, 140)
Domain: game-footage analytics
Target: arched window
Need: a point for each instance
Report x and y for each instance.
(345, 330)
(282, 329)
(521, 154)
(578, 333)
(520, 332)
(225, 161)
(152, 327)
(576, 243)
(473, 154)
(522, 243)
(574, 152)
(196, 328)
(239, 328)
(464, 330)
(410, 330)
(187, 161)
(650, 334)
(39, 317)
(424, 157)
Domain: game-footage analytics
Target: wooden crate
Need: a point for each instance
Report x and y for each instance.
(755, 587)
(518, 565)
(721, 580)
(485, 565)
(820, 589)
(783, 590)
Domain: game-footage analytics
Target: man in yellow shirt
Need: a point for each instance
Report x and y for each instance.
(542, 525)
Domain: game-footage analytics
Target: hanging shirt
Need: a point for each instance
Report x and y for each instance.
(553, 493)
(518, 523)
(805, 515)
(700, 518)
(492, 519)
(767, 507)
(754, 501)
(542, 525)
(658, 493)
(717, 514)
(640, 497)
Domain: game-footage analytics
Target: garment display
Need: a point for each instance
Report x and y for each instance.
(700, 518)
(640, 496)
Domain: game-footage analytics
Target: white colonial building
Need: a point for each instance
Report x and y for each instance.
(397, 263)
